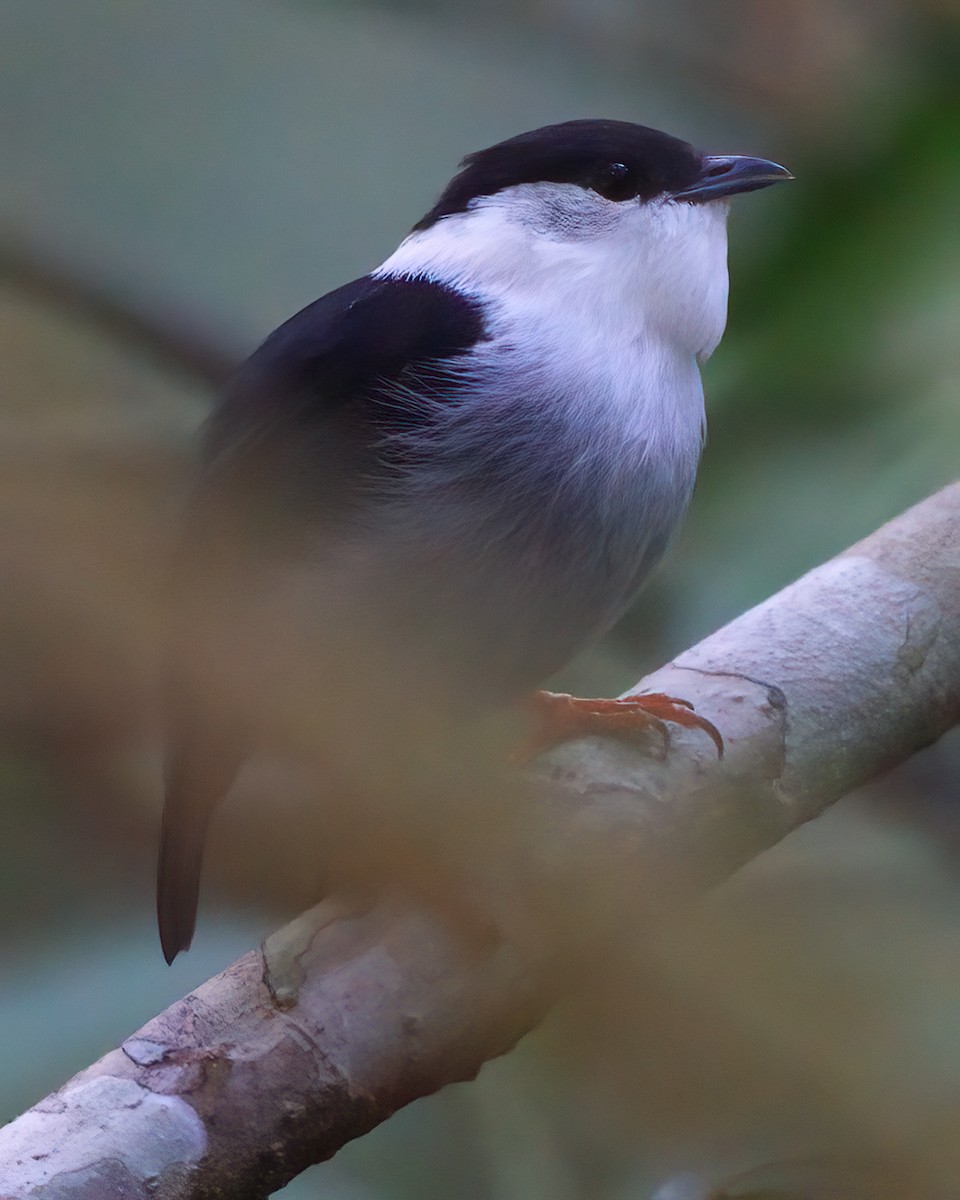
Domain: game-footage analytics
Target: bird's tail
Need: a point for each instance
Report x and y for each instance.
(199, 772)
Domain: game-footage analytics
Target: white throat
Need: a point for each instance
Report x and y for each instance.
(654, 270)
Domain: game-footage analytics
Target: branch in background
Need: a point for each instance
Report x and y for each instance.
(173, 341)
(343, 1018)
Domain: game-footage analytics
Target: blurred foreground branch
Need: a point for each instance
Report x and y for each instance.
(342, 1017)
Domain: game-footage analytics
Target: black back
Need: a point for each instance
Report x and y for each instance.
(300, 433)
(304, 427)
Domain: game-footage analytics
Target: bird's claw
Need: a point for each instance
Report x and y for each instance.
(564, 718)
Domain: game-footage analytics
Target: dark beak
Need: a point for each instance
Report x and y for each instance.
(728, 175)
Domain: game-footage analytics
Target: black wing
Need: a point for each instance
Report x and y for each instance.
(305, 420)
(286, 450)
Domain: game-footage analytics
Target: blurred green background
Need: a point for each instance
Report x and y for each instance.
(213, 165)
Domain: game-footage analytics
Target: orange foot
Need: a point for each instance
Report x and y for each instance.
(563, 718)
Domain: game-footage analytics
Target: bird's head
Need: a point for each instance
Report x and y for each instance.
(601, 212)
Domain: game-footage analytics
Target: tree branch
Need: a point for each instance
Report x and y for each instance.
(178, 341)
(342, 1018)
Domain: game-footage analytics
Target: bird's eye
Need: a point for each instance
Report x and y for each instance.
(614, 182)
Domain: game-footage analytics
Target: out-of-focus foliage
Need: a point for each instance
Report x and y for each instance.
(223, 162)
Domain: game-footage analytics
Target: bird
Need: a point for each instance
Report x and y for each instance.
(466, 462)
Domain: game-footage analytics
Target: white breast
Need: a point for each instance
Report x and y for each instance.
(575, 452)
